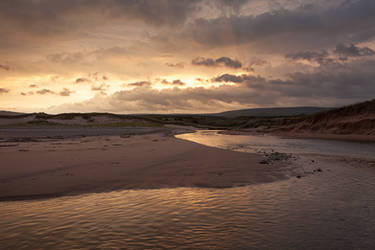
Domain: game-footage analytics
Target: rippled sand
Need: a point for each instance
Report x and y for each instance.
(333, 209)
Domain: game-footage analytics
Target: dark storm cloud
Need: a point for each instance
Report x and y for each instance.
(4, 67)
(303, 27)
(3, 90)
(336, 85)
(320, 57)
(345, 51)
(230, 78)
(354, 80)
(155, 12)
(48, 17)
(324, 57)
(222, 61)
(229, 62)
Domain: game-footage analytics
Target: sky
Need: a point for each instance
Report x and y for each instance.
(184, 56)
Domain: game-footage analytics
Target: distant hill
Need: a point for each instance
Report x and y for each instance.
(353, 119)
(8, 113)
(272, 112)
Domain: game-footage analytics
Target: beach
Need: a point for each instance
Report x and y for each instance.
(167, 188)
(75, 161)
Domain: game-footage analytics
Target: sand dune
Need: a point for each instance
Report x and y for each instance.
(357, 119)
(355, 122)
(74, 119)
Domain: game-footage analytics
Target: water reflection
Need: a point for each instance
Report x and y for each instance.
(254, 143)
(313, 213)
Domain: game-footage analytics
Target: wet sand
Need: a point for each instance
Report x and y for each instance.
(35, 167)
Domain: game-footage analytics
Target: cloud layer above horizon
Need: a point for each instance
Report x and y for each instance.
(186, 56)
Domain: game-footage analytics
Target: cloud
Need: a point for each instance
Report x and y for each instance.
(330, 85)
(324, 57)
(201, 61)
(233, 5)
(68, 58)
(229, 62)
(91, 77)
(97, 77)
(175, 65)
(33, 86)
(82, 80)
(289, 29)
(138, 84)
(174, 82)
(100, 87)
(320, 57)
(255, 61)
(94, 40)
(231, 78)
(53, 17)
(3, 91)
(4, 67)
(222, 61)
(346, 51)
(45, 92)
(178, 82)
(65, 92)
(28, 93)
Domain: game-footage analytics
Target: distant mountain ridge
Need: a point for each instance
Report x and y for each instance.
(272, 112)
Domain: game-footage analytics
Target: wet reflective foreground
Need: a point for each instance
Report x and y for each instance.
(334, 209)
